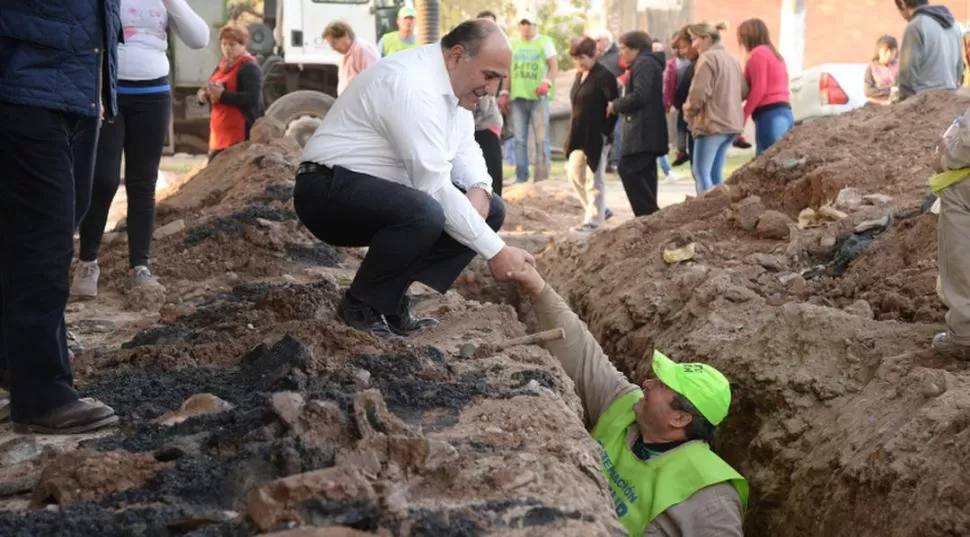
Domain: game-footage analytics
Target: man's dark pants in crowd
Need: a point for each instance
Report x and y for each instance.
(404, 229)
(42, 151)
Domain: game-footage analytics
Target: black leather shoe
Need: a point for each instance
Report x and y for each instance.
(364, 318)
(405, 323)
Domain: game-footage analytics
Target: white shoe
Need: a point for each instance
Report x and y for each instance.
(141, 276)
(86, 279)
(671, 177)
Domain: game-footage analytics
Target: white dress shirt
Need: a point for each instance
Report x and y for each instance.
(400, 121)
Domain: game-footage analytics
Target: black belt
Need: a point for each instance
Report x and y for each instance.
(313, 167)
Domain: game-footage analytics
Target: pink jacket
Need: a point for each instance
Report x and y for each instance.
(360, 56)
(670, 83)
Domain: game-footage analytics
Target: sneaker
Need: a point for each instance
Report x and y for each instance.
(947, 348)
(741, 143)
(86, 279)
(588, 227)
(671, 177)
(141, 276)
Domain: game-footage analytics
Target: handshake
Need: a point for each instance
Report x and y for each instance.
(517, 266)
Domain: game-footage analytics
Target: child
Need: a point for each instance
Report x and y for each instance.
(882, 71)
(664, 161)
(683, 64)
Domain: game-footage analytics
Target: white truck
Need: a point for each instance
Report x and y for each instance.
(299, 68)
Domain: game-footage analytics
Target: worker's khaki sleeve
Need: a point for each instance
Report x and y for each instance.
(598, 382)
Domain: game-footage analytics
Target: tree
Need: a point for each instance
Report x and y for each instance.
(563, 28)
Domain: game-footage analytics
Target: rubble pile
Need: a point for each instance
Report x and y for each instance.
(248, 408)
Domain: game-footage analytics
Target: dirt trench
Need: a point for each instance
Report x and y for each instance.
(844, 420)
(248, 408)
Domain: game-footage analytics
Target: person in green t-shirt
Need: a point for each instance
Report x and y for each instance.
(404, 38)
(530, 88)
(664, 478)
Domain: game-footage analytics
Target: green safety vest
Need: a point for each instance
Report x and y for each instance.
(393, 43)
(942, 181)
(642, 490)
(529, 68)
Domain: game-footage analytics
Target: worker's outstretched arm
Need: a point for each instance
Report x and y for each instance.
(598, 382)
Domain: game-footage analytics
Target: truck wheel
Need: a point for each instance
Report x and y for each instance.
(274, 80)
(301, 112)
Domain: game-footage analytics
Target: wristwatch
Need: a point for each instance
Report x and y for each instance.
(486, 187)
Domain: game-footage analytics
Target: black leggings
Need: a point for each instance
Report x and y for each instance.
(139, 131)
(492, 149)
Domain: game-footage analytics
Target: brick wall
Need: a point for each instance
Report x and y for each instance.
(836, 30)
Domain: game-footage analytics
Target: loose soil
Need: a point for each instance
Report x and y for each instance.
(844, 420)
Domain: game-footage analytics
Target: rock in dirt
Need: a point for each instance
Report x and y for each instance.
(169, 229)
(87, 475)
(199, 404)
(860, 308)
(774, 225)
(277, 502)
(848, 199)
(749, 210)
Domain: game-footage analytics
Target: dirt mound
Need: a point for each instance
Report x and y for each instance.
(247, 407)
(536, 207)
(844, 421)
(876, 149)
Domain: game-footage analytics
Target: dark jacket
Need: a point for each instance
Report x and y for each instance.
(683, 87)
(588, 123)
(52, 54)
(611, 60)
(642, 108)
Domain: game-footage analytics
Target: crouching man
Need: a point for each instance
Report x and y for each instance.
(394, 166)
(664, 478)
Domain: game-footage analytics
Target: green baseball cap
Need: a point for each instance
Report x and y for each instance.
(406, 12)
(705, 387)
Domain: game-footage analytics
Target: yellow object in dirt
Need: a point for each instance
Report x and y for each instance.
(677, 255)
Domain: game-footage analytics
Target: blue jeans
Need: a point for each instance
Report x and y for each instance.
(771, 125)
(709, 153)
(617, 148)
(664, 164)
(525, 113)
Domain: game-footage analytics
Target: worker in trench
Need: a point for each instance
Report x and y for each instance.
(664, 478)
(394, 166)
(952, 185)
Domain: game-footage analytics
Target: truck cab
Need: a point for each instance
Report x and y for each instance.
(299, 68)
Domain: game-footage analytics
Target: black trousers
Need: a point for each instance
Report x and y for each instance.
(139, 132)
(403, 227)
(638, 173)
(37, 222)
(491, 146)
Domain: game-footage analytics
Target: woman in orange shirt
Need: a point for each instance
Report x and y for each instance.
(234, 91)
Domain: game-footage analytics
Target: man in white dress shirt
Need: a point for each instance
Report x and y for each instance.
(394, 166)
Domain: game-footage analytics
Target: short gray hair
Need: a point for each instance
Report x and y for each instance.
(699, 427)
(603, 33)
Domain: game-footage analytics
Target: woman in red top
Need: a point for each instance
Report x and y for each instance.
(234, 91)
(767, 78)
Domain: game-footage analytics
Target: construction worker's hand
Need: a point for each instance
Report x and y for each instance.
(528, 280)
(543, 88)
(479, 200)
(503, 102)
(509, 259)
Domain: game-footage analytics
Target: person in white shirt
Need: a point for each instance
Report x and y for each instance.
(138, 131)
(394, 166)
